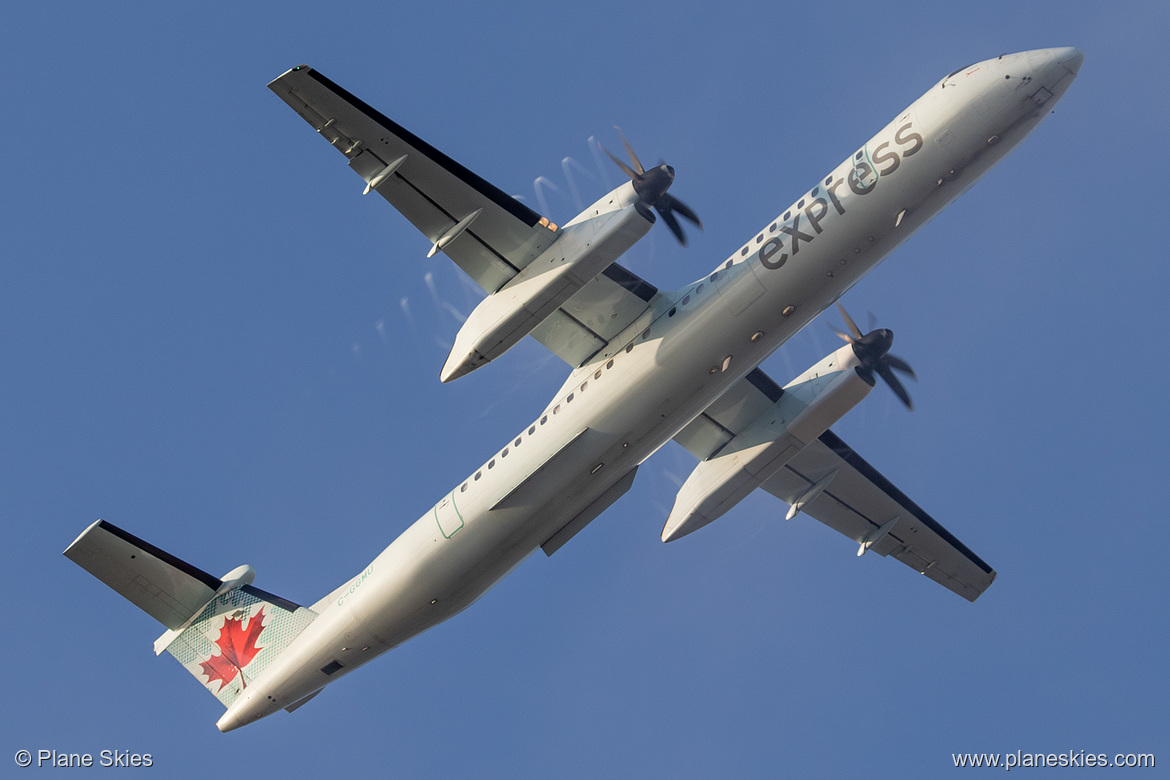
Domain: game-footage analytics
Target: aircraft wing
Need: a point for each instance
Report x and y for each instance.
(430, 189)
(857, 501)
(437, 194)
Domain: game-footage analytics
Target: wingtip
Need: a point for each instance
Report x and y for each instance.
(88, 528)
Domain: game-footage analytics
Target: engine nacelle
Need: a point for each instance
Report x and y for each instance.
(586, 246)
(811, 403)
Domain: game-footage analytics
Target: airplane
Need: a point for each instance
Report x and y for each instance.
(647, 366)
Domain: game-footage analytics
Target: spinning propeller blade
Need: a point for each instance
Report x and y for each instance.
(873, 350)
(651, 186)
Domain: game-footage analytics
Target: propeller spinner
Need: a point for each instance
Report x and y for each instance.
(873, 350)
(652, 186)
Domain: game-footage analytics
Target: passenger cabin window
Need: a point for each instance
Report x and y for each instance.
(463, 489)
(569, 400)
(544, 419)
(492, 463)
(532, 430)
(478, 474)
(608, 365)
(504, 454)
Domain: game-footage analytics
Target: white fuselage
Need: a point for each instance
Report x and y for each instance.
(687, 349)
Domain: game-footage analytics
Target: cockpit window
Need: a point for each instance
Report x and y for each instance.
(958, 70)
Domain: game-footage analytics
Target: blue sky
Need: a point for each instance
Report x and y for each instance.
(213, 341)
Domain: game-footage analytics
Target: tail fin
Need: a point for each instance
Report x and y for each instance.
(230, 642)
(225, 632)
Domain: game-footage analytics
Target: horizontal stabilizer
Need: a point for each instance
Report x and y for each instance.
(158, 583)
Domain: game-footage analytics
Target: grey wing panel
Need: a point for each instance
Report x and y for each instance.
(591, 319)
(433, 191)
(859, 500)
(166, 588)
(731, 413)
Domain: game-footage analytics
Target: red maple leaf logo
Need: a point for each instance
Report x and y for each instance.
(237, 648)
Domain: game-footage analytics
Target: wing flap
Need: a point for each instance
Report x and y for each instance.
(568, 339)
(599, 312)
(731, 413)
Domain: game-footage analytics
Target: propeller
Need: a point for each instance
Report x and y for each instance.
(651, 186)
(873, 350)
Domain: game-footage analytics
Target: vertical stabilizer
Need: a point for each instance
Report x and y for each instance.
(234, 638)
(224, 631)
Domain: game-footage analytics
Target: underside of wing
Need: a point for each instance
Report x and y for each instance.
(166, 588)
(589, 321)
(490, 235)
(859, 502)
(827, 480)
(731, 413)
(434, 192)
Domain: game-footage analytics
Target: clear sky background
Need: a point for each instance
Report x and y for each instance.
(212, 340)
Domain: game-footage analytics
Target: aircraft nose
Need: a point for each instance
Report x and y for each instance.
(1069, 57)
